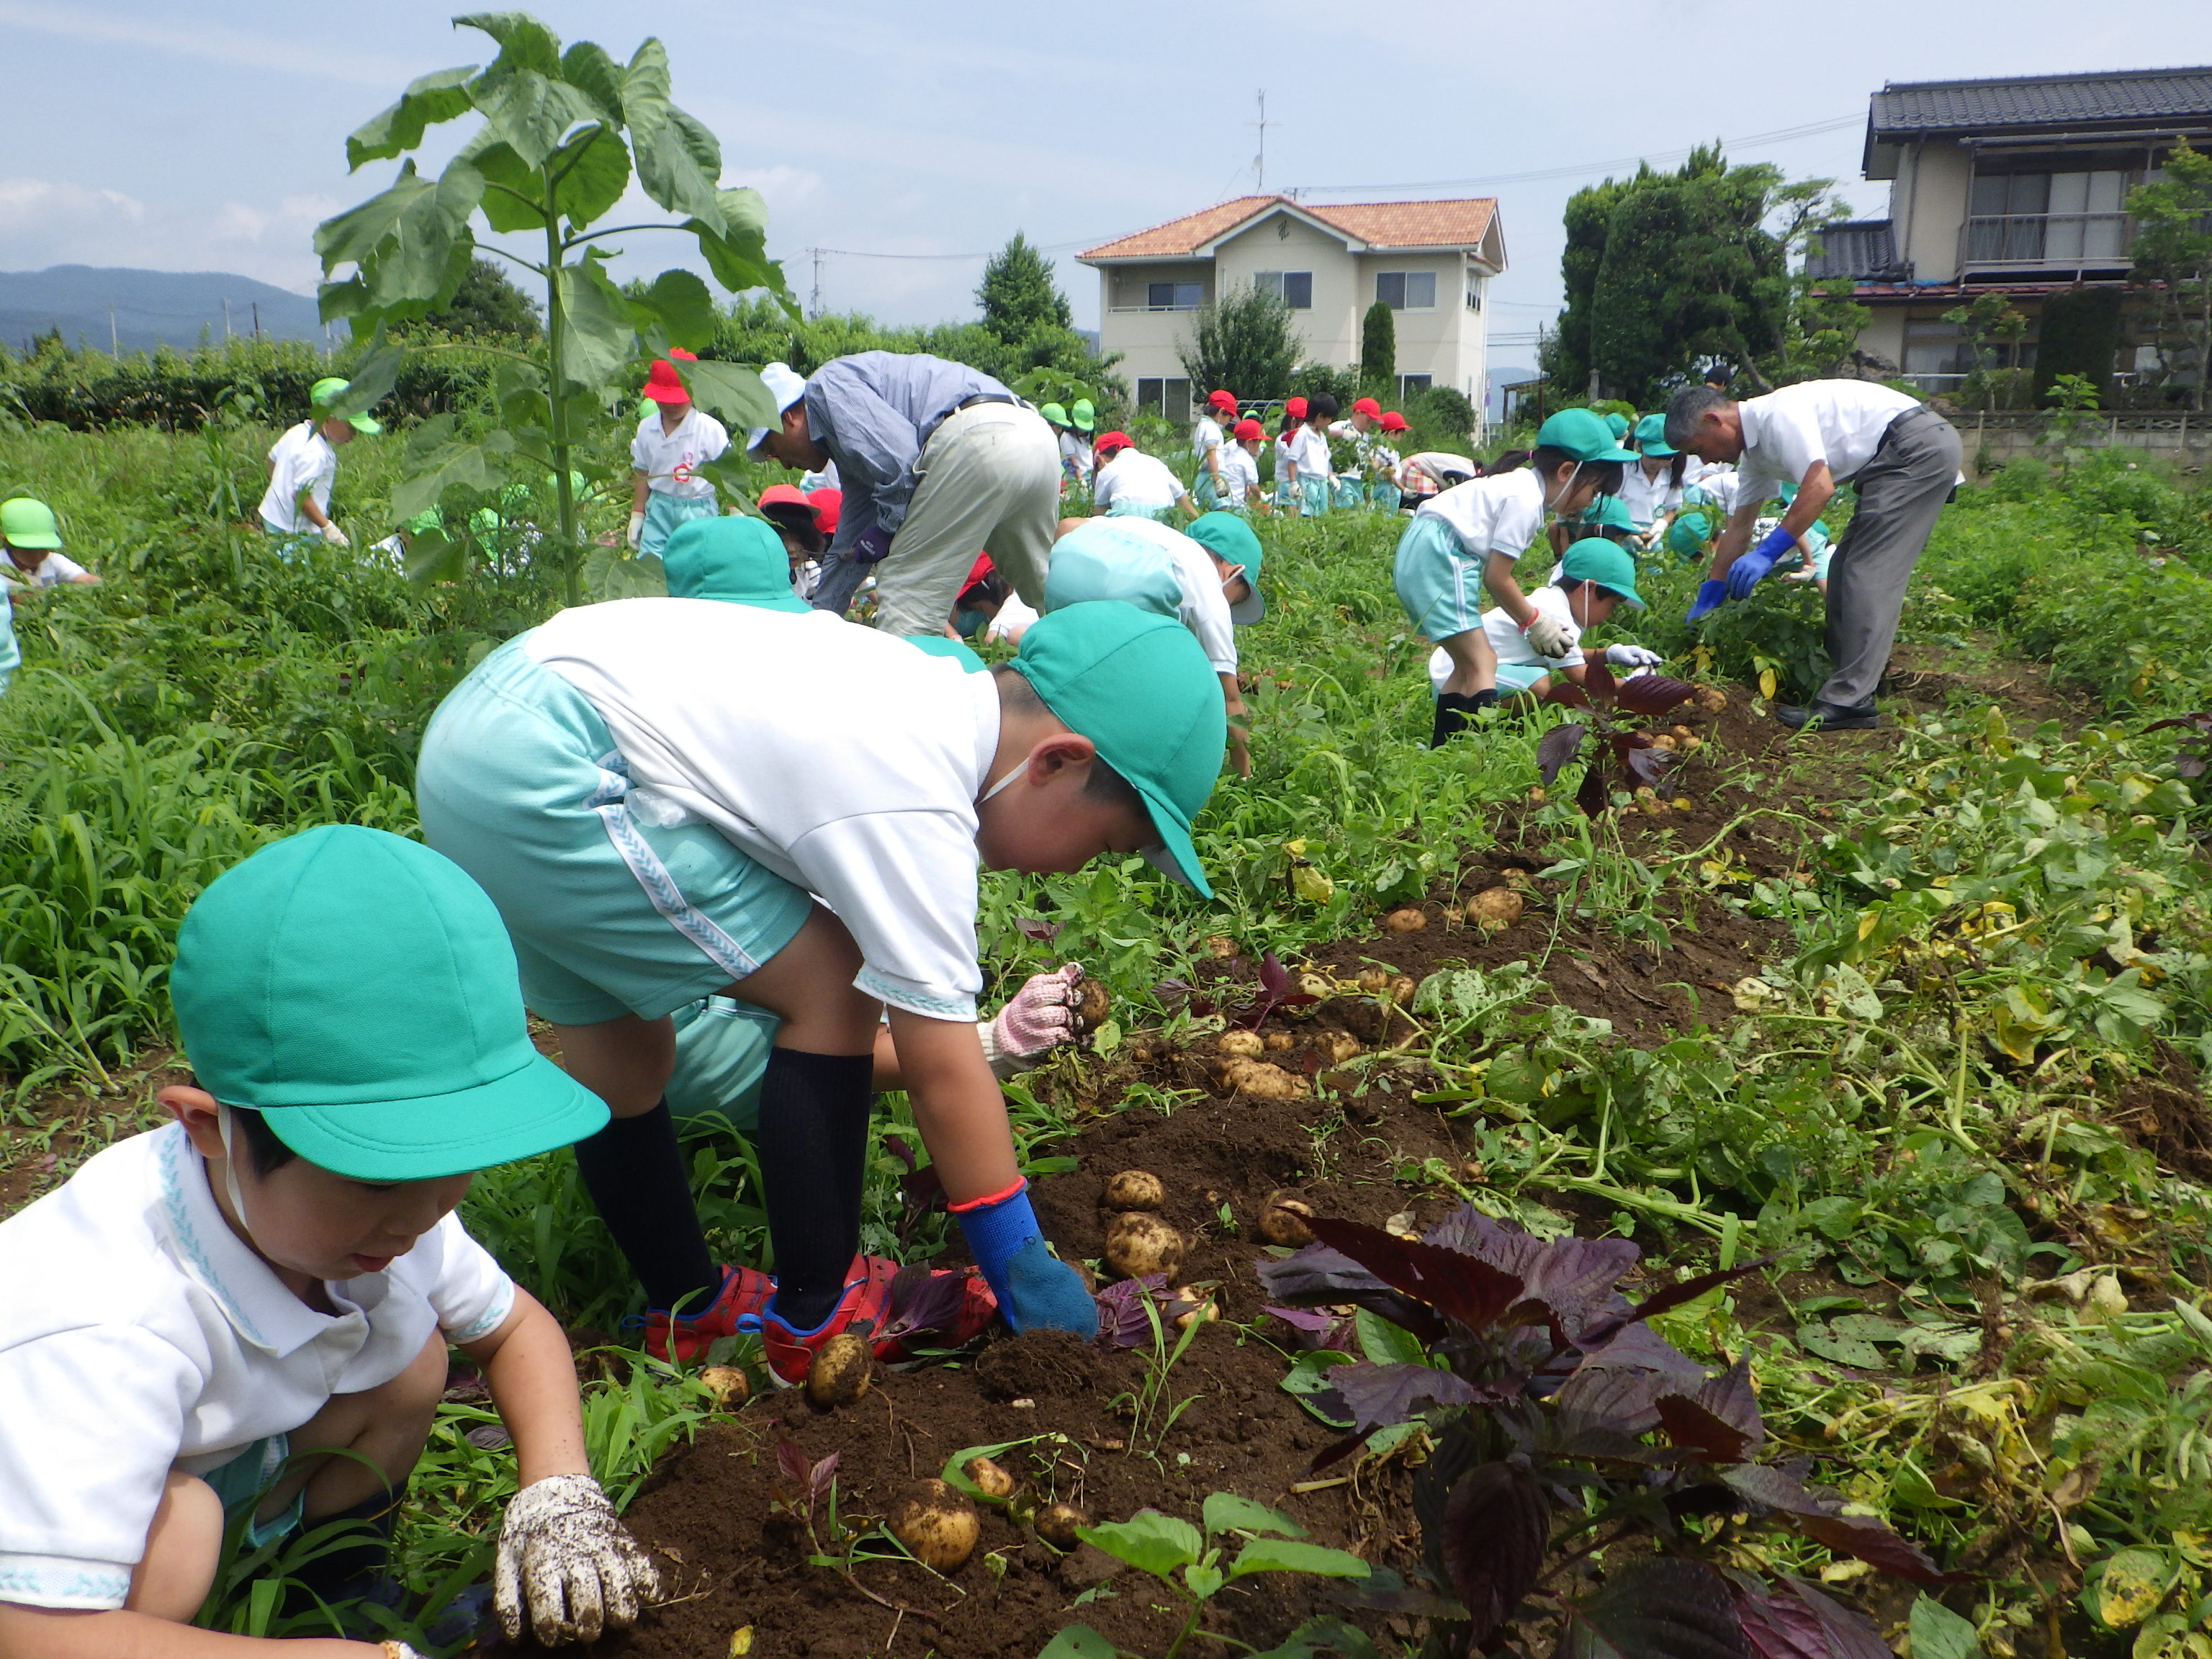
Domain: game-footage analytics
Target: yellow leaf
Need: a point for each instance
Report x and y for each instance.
(2133, 1582)
(1869, 920)
(741, 1642)
(1766, 682)
(1309, 884)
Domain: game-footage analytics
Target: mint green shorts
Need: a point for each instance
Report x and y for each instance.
(721, 1052)
(520, 784)
(240, 1483)
(665, 514)
(1439, 586)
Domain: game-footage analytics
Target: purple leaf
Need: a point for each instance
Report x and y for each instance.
(1457, 1286)
(1654, 1607)
(1377, 1396)
(1304, 1319)
(1637, 1347)
(1565, 693)
(1820, 1517)
(1793, 1621)
(1275, 978)
(1556, 748)
(1319, 1276)
(1620, 1397)
(1573, 1277)
(1122, 1320)
(1721, 1419)
(923, 1189)
(1496, 1526)
(791, 1462)
(1169, 992)
(2188, 765)
(1674, 1295)
(1385, 1591)
(1038, 928)
(1648, 766)
(818, 1477)
(1653, 694)
(923, 1301)
(1598, 681)
(1592, 797)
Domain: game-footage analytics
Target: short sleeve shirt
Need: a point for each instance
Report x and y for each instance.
(1500, 515)
(1239, 471)
(1204, 607)
(1647, 498)
(1134, 478)
(1838, 422)
(670, 459)
(302, 461)
(52, 571)
(1205, 436)
(1309, 454)
(1512, 646)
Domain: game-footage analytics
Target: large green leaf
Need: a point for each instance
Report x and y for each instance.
(730, 394)
(609, 574)
(371, 379)
(524, 42)
(429, 100)
(598, 342)
(587, 67)
(1939, 1633)
(1080, 1642)
(1148, 1541)
(434, 556)
(593, 171)
(531, 112)
(685, 311)
(411, 242)
(1226, 1512)
(737, 255)
(511, 186)
(1288, 1555)
(476, 464)
(678, 162)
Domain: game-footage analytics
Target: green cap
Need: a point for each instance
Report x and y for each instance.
(1686, 535)
(1651, 438)
(1581, 434)
(740, 560)
(328, 390)
(1139, 687)
(1594, 559)
(1080, 414)
(359, 990)
(1054, 413)
(1229, 538)
(26, 523)
(1617, 424)
(936, 644)
(1105, 559)
(1610, 511)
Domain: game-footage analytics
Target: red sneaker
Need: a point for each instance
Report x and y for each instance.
(896, 1308)
(685, 1337)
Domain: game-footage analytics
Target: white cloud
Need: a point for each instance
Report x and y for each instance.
(54, 222)
(207, 40)
(27, 203)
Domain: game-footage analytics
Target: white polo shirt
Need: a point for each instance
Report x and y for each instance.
(301, 460)
(1205, 608)
(842, 759)
(1205, 436)
(1239, 473)
(1511, 645)
(1647, 498)
(52, 571)
(1499, 514)
(139, 1333)
(1838, 422)
(1134, 479)
(667, 458)
(1309, 454)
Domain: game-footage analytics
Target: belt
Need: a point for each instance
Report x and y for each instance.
(983, 397)
(1889, 431)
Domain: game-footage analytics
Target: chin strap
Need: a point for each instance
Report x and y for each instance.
(223, 1117)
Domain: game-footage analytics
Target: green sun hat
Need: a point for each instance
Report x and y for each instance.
(739, 561)
(1081, 414)
(1611, 512)
(358, 990)
(28, 523)
(1581, 434)
(328, 390)
(1054, 413)
(1104, 559)
(1651, 438)
(1594, 559)
(936, 644)
(1617, 424)
(1229, 538)
(1139, 687)
(1691, 526)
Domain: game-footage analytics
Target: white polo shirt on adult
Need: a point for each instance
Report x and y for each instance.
(1838, 422)
(139, 1333)
(842, 758)
(1135, 481)
(1205, 608)
(301, 460)
(669, 459)
(1499, 515)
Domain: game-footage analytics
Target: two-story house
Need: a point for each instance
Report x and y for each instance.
(2014, 186)
(1429, 261)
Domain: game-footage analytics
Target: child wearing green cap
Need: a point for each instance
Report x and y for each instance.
(1473, 533)
(303, 465)
(241, 1320)
(656, 793)
(1596, 576)
(31, 538)
(1651, 487)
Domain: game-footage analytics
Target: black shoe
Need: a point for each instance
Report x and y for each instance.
(1828, 716)
(1454, 713)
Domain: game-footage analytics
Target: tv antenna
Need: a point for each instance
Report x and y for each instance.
(1259, 161)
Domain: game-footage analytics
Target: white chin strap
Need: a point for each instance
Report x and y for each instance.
(1006, 783)
(223, 1117)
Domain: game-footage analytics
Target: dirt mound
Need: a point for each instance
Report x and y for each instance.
(2167, 1115)
(1039, 1365)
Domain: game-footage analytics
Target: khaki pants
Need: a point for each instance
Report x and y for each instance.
(1901, 491)
(989, 483)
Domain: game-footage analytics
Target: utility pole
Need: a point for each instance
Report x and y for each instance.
(113, 350)
(1259, 161)
(814, 299)
(256, 319)
(226, 316)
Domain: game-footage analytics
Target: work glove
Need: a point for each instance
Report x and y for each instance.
(567, 1561)
(1709, 595)
(334, 536)
(874, 544)
(1632, 656)
(1548, 636)
(636, 528)
(1750, 569)
(1035, 1289)
(399, 1650)
(1040, 1018)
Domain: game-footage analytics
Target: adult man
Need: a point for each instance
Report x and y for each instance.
(1903, 460)
(935, 461)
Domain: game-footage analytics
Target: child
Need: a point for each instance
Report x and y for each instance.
(1383, 459)
(1206, 442)
(1312, 475)
(1294, 420)
(303, 465)
(31, 540)
(1240, 469)
(739, 561)
(1651, 490)
(1475, 532)
(241, 1319)
(1129, 481)
(657, 792)
(672, 443)
(1594, 577)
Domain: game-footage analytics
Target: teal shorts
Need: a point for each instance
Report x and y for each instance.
(1384, 496)
(1520, 676)
(520, 784)
(665, 513)
(1136, 510)
(1313, 496)
(721, 1052)
(1439, 586)
(240, 1483)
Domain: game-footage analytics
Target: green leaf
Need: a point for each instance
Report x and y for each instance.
(588, 68)
(600, 342)
(411, 242)
(608, 573)
(1939, 1633)
(2130, 1585)
(434, 556)
(1080, 1642)
(372, 379)
(1307, 1380)
(1148, 1541)
(513, 208)
(596, 173)
(475, 465)
(1203, 1581)
(729, 392)
(685, 309)
(531, 112)
(524, 42)
(1323, 1636)
(1226, 1512)
(1285, 1555)
(678, 163)
(1387, 1344)
(429, 99)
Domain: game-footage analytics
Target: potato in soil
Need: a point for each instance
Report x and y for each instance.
(1234, 1044)
(730, 1386)
(1261, 1079)
(1498, 906)
(989, 1478)
(1056, 1524)
(1140, 1244)
(1283, 1221)
(839, 1375)
(1135, 1189)
(1199, 1307)
(1092, 1004)
(938, 1526)
(1405, 920)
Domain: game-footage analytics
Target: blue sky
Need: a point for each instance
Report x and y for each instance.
(188, 136)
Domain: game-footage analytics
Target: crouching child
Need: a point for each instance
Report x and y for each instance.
(1595, 577)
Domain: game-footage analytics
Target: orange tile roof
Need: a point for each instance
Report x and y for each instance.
(1451, 223)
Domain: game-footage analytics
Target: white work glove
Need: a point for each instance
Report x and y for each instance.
(1547, 634)
(566, 1559)
(333, 535)
(1040, 1018)
(636, 528)
(397, 1650)
(1632, 656)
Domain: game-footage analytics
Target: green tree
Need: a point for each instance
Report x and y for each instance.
(2171, 257)
(562, 134)
(1994, 327)
(488, 302)
(1243, 342)
(1378, 350)
(1018, 295)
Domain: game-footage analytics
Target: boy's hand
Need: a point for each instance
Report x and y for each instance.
(1547, 634)
(334, 536)
(1040, 1017)
(1632, 656)
(566, 1557)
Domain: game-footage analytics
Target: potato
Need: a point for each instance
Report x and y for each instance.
(1402, 988)
(1092, 1004)
(1232, 1043)
(989, 1479)
(1664, 741)
(730, 1386)
(1199, 1307)
(1498, 907)
(1316, 985)
(1283, 1221)
(1219, 947)
(1681, 732)
(839, 1375)
(1374, 980)
(938, 1526)
(1056, 1524)
(1278, 1041)
(1536, 795)
(1405, 920)
(1337, 1046)
(1710, 698)
(1135, 1189)
(1258, 1077)
(1140, 1244)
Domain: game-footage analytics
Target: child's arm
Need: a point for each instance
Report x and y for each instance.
(1232, 704)
(1505, 587)
(637, 492)
(532, 1374)
(28, 1632)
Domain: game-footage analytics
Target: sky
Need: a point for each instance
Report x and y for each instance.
(189, 136)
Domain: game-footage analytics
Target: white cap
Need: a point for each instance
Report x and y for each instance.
(786, 385)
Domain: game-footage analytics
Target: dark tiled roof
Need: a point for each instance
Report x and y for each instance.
(1863, 249)
(2117, 96)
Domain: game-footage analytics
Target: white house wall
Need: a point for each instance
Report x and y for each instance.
(1327, 333)
(1928, 206)
(1151, 342)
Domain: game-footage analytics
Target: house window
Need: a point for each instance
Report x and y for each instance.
(1171, 296)
(1411, 386)
(1475, 294)
(1293, 288)
(2061, 218)
(1406, 290)
(1169, 400)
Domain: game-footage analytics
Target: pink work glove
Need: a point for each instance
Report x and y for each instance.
(1040, 1017)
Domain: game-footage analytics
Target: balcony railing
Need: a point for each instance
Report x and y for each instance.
(2045, 241)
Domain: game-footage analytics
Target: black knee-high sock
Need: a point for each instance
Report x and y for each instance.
(1453, 710)
(345, 1572)
(635, 1173)
(813, 1144)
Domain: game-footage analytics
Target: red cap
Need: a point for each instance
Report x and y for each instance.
(784, 496)
(977, 571)
(1393, 421)
(1368, 407)
(1296, 408)
(1248, 428)
(1112, 441)
(1221, 400)
(827, 504)
(660, 382)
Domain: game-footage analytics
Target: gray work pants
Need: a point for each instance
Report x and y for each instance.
(989, 483)
(1901, 490)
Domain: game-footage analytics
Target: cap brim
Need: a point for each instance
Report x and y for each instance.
(753, 436)
(1613, 454)
(534, 1108)
(1249, 608)
(366, 427)
(1174, 856)
(1659, 451)
(38, 543)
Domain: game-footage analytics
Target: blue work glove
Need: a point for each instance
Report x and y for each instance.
(1749, 570)
(1035, 1289)
(1709, 595)
(874, 542)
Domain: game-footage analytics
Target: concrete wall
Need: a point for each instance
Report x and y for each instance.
(1928, 206)
(1431, 342)
(1995, 440)
(1329, 333)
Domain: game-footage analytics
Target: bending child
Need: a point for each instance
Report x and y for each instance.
(1594, 578)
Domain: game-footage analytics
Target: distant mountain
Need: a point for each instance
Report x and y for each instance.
(147, 307)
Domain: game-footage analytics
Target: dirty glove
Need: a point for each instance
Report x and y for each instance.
(334, 536)
(1040, 1018)
(1750, 568)
(1548, 636)
(1035, 1289)
(1709, 595)
(874, 544)
(568, 1562)
(636, 528)
(1632, 656)
(399, 1650)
